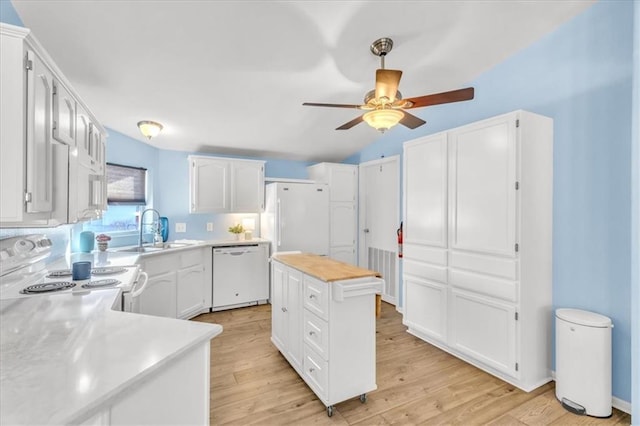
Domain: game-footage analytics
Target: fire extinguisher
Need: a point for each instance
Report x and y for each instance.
(399, 232)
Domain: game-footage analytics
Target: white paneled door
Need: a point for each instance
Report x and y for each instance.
(379, 201)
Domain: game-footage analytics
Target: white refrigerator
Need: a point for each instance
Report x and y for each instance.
(296, 217)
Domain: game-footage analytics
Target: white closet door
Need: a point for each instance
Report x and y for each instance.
(425, 189)
(343, 224)
(482, 189)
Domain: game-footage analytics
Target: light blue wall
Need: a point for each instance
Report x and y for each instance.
(635, 223)
(581, 76)
(8, 14)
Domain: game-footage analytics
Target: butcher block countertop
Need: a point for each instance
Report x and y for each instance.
(324, 268)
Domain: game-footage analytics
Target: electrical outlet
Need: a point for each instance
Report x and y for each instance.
(209, 226)
(181, 227)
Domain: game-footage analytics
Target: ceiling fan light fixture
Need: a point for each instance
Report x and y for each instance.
(150, 129)
(383, 119)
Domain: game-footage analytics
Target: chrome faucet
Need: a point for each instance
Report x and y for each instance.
(156, 230)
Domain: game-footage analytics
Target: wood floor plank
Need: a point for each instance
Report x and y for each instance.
(252, 383)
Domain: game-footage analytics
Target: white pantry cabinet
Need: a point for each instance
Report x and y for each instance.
(179, 283)
(38, 137)
(326, 329)
(477, 244)
(225, 185)
(343, 217)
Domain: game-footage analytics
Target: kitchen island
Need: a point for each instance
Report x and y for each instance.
(323, 323)
(69, 358)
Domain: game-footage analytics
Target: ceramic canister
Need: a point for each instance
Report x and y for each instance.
(87, 240)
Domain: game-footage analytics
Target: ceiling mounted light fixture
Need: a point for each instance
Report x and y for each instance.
(150, 129)
(383, 119)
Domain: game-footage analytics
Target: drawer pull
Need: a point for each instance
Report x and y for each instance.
(312, 296)
(311, 333)
(311, 370)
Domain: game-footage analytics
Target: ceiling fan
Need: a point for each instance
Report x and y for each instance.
(385, 105)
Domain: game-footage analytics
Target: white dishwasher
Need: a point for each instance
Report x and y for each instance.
(240, 275)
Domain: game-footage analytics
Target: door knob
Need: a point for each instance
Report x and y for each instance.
(365, 230)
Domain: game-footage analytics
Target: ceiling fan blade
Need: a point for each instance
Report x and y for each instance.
(387, 82)
(441, 98)
(411, 121)
(332, 105)
(350, 124)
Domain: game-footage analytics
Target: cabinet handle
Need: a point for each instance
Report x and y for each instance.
(284, 309)
(311, 370)
(312, 296)
(311, 333)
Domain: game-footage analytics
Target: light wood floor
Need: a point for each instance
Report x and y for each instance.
(251, 383)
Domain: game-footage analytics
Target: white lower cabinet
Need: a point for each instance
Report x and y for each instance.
(425, 307)
(327, 331)
(179, 283)
(176, 394)
(159, 298)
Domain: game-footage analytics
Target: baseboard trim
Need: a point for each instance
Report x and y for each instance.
(617, 403)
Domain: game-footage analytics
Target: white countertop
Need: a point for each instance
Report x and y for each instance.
(113, 257)
(64, 357)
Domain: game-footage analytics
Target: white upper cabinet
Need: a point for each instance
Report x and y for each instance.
(425, 183)
(38, 148)
(247, 183)
(209, 181)
(483, 187)
(39, 195)
(64, 114)
(341, 178)
(225, 185)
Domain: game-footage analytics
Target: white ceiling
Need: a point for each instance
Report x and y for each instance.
(231, 76)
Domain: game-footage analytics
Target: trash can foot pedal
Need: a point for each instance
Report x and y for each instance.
(573, 407)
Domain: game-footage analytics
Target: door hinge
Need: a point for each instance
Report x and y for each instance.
(517, 185)
(517, 366)
(517, 247)
(516, 315)
(54, 90)
(27, 197)
(55, 124)
(28, 64)
(518, 123)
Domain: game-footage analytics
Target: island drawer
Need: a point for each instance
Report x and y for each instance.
(316, 296)
(316, 334)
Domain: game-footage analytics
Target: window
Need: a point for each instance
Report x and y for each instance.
(126, 185)
(126, 197)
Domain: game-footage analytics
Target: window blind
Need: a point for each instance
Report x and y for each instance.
(126, 184)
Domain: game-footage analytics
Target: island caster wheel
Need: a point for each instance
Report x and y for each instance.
(330, 410)
(363, 398)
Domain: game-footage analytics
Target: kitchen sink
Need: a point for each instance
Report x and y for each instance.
(153, 248)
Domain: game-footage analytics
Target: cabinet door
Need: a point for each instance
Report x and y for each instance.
(64, 114)
(482, 187)
(247, 186)
(159, 298)
(342, 224)
(425, 191)
(39, 176)
(83, 140)
(294, 314)
(484, 329)
(96, 148)
(343, 180)
(209, 181)
(426, 307)
(279, 329)
(190, 291)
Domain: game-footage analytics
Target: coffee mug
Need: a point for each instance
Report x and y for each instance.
(81, 270)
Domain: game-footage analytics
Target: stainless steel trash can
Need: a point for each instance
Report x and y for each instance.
(583, 362)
